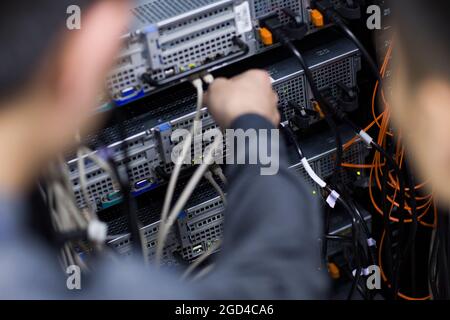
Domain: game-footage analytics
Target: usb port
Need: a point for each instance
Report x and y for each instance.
(197, 249)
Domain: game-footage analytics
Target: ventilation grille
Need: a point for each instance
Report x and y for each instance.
(209, 234)
(265, 7)
(122, 79)
(205, 222)
(305, 176)
(196, 20)
(99, 183)
(330, 75)
(291, 90)
(355, 154)
(210, 206)
(157, 10)
(196, 35)
(197, 54)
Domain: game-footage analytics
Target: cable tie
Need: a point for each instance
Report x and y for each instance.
(366, 137)
(208, 79)
(332, 199)
(364, 272)
(197, 82)
(312, 174)
(371, 242)
(97, 231)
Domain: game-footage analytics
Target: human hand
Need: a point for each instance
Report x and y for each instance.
(248, 93)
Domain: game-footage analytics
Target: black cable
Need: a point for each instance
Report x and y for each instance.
(329, 12)
(327, 110)
(354, 216)
(371, 62)
(432, 267)
(129, 203)
(371, 248)
(443, 270)
(323, 105)
(411, 242)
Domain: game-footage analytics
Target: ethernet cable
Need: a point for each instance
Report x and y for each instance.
(217, 170)
(67, 218)
(186, 148)
(215, 185)
(198, 84)
(185, 195)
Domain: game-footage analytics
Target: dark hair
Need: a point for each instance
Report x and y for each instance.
(422, 30)
(27, 30)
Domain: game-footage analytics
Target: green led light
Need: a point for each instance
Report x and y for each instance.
(358, 173)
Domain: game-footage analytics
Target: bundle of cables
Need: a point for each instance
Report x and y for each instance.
(79, 230)
(75, 228)
(388, 169)
(416, 204)
(363, 245)
(168, 218)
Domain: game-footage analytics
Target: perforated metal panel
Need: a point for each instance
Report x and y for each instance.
(142, 159)
(203, 223)
(218, 43)
(187, 35)
(305, 176)
(153, 11)
(265, 7)
(291, 90)
(355, 154)
(339, 71)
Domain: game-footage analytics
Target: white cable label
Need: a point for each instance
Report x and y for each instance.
(243, 18)
(332, 199)
(371, 242)
(97, 231)
(365, 136)
(364, 272)
(312, 174)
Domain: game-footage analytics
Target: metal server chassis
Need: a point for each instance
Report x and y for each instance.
(202, 223)
(149, 144)
(171, 40)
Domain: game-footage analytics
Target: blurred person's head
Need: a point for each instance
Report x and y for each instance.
(51, 77)
(421, 88)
